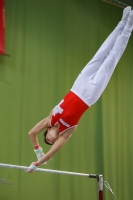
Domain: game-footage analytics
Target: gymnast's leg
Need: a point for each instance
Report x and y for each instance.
(86, 86)
(102, 77)
(92, 67)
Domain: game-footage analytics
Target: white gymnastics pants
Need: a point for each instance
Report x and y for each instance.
(95, 76)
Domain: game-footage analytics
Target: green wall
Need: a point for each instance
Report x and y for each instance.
(49, 43)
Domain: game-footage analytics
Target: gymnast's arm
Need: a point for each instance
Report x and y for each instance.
(64, 137)
(40, 126)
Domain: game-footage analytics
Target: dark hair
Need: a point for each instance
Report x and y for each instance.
(45, 133)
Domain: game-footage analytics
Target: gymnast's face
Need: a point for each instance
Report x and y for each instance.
(52, 135)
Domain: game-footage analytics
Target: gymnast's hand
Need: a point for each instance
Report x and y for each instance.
(32, 167)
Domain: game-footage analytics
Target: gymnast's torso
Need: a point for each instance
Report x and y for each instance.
(68, 112)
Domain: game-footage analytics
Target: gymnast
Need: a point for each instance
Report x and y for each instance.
(86, 90)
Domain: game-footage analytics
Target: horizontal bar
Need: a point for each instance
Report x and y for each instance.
(50, 171)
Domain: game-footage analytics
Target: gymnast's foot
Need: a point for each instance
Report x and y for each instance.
(126, 13)
(130, 20)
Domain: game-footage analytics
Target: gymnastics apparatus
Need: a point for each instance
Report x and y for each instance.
(99, 177)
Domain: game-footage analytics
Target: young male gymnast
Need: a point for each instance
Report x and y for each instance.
(86, 90)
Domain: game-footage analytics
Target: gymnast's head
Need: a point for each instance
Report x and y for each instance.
(51, 135)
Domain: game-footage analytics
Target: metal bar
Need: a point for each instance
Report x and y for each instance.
(49, 170)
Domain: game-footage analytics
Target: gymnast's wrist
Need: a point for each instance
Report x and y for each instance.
(36, 164)
(38, 150)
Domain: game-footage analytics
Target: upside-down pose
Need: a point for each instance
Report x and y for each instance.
(88, 87)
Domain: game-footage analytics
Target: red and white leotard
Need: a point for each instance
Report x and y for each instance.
(68, 112)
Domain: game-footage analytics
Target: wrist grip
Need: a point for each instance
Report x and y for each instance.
(38, 150)
(33, 165)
